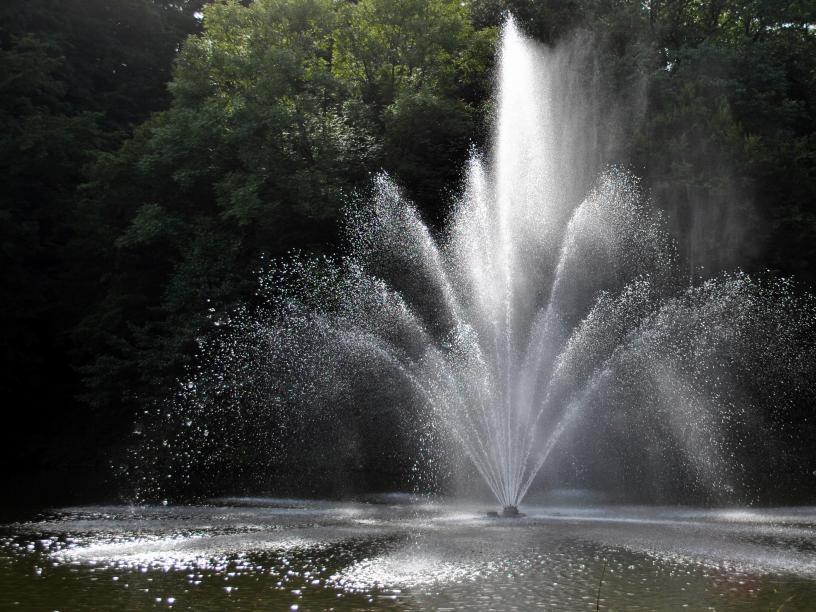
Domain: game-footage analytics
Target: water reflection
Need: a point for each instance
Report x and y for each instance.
(327, 555)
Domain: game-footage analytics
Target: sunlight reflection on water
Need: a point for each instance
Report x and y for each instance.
(321, 555)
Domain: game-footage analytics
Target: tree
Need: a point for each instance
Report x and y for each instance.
(280, 111)
(74, 77)
(422, 72)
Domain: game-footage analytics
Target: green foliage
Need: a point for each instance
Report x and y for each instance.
(74, 77)
(732, 110)
(384, 47)
(280, 111)
(421, 130)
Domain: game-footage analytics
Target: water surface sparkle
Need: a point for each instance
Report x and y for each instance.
(254, 553)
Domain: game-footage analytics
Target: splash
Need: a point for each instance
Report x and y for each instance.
(545, 308)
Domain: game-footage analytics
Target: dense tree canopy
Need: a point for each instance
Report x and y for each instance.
(152, 154)
(279, 112)
(77, 77)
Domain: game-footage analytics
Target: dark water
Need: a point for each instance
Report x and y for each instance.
(274, 554)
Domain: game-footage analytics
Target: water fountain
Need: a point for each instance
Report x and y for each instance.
(549, 326)
(552, 300)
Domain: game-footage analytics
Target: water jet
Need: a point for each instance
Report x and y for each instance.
(552, 304)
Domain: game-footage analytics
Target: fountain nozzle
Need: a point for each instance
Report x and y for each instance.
(506, 512)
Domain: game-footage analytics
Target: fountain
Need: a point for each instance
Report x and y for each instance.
(547, 340)
(552, 308)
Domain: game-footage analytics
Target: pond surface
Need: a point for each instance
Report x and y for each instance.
(275, 554)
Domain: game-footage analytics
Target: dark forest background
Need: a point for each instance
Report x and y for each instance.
(152, 150)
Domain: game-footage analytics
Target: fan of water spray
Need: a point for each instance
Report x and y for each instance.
(539, 306)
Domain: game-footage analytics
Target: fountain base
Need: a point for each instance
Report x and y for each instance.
(506, 512)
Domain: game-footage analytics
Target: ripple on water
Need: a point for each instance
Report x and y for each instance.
(368, 556)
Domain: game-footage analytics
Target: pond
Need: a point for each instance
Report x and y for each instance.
(396, 552)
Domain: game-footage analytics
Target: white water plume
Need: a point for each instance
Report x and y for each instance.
(544, 304)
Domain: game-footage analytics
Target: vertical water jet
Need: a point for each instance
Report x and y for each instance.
(551, 305)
